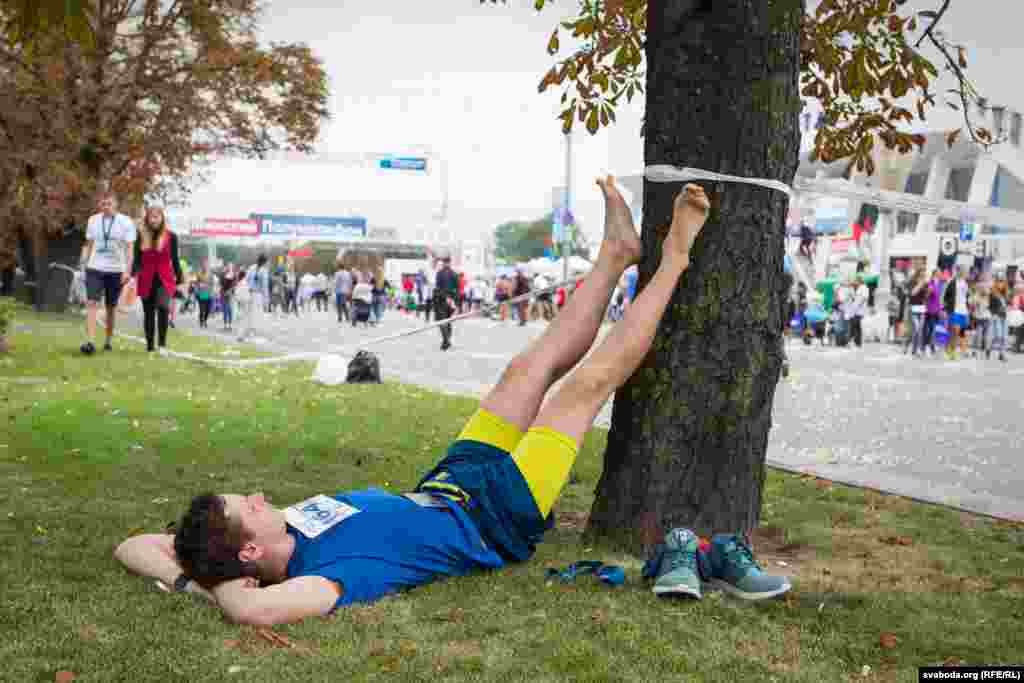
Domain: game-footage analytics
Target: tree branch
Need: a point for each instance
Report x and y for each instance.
(935, 22)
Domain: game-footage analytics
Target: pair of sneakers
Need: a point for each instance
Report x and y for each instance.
(88, 348)
(679, 565)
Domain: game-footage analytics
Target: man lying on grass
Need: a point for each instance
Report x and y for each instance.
(486, 503)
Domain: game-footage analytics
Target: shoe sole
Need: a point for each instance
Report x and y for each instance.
(744, 595)
(680, 590)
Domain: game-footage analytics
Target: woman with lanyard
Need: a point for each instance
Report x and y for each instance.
(157, 274)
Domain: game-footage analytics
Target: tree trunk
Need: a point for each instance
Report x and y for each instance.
(690, 429)
(54, 284)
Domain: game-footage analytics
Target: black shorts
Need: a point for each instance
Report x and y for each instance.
(100, 284)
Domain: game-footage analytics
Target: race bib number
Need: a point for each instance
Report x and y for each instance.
(316, 515)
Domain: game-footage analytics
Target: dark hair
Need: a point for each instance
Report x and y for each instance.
(205, 545)
(261, 261)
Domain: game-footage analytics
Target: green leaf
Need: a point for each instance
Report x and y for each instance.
(592, 121)
(539, 5)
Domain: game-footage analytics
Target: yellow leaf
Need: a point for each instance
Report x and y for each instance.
(553, 43)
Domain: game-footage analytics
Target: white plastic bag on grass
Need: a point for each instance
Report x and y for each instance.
(331, 370)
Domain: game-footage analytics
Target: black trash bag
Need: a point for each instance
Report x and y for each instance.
(363, 369)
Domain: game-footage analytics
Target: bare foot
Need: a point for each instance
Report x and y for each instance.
(620, 239)
(689, 213)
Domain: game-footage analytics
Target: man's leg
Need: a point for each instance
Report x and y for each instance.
(564, 420)
(111, 312)
(520, 391)
(92, 310)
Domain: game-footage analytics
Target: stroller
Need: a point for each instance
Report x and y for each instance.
(360, 312)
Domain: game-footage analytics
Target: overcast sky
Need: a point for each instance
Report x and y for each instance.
(461, 78)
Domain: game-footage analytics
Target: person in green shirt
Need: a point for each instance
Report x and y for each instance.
(827, 289)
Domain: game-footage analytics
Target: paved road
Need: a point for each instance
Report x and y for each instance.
(930, 429)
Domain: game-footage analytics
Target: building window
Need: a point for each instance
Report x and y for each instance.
(916, 183)
(906, 222)
(959, 186)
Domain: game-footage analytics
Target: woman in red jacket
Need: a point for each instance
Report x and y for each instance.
(158, 273)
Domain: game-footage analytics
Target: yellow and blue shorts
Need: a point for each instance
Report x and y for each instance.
(508, 480)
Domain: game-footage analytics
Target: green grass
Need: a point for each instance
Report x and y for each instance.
(94, 448)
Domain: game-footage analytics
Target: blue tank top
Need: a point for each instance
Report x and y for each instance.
(389, 545)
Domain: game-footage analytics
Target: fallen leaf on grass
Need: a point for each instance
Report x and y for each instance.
(88, 632)
(823, 484)
(231, 644)
(376, 648)
(952, 661)
(1015, 584)
(887, 641)
(464, 649)
(136, 531)
(455, 615)
(407, 648)
(600, 617)
(64, 676)
(391, 664)
(898, 540)
(280, 640)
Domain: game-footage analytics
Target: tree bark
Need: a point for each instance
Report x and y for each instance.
(52, 285)
(690, 429)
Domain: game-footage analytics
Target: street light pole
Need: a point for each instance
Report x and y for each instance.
(566, 204)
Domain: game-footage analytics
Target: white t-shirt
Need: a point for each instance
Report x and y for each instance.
(112, 237)
(363, 292)
(961, 297)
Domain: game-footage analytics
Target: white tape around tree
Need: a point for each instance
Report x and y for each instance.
(664, 173)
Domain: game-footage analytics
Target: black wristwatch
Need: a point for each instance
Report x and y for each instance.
(181, 582)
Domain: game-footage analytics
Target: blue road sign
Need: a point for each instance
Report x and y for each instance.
(404, 164)
(967, 232)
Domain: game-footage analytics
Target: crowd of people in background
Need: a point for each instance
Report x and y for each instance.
(954, 313)
(362, 297)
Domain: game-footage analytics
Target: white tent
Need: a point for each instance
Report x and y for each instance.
(554, 269)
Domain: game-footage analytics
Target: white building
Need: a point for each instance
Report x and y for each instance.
(963, 172)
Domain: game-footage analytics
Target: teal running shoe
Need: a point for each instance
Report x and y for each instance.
(734, 570)
(673, 565)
